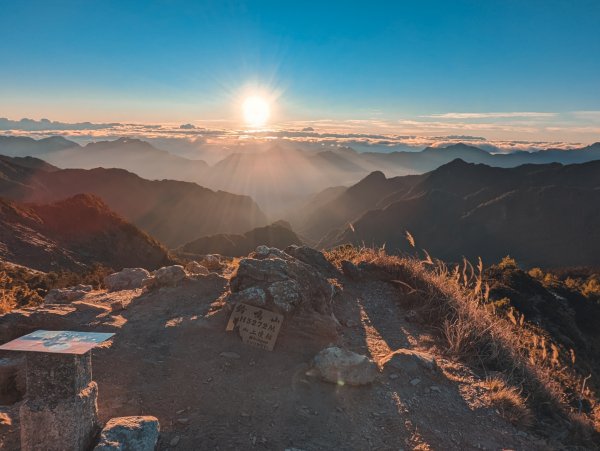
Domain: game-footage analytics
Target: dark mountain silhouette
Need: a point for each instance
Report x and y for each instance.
(278, 234)
(546, 215)
(73, 234)
(174, 212)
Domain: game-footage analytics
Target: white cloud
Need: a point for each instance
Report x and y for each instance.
(513, 114)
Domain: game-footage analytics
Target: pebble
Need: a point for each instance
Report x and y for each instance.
(174, 441)
(183, 420)
(230, 355)
(394, 376)
(179, 412)
(435, 388)
(415, 381)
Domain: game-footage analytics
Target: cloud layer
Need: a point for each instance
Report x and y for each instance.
(486, 130)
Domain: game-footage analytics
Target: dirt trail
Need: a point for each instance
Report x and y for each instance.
(166, 360)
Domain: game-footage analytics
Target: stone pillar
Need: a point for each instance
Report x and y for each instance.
(60, 410)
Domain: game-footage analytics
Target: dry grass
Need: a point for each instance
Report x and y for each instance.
(453, 302)
(509, 402)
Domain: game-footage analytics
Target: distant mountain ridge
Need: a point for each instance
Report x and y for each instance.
(174, 212)
(73, 234)
(279, 176)
(545, 215)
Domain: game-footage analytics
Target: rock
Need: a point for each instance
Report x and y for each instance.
(117, 306)
(253, 296)
(67, 295)
(273, 279)
(196, 269)
(415, 381)
(183, 420)
(435, 388)
(230, 355)
(212, 262)
(350, 270)
(394, 376)
(127, 279)
(311, 257)
(138, 433)
(97, 309)
(341, 366)
(174, 441)
(169, 276)
(409, 361)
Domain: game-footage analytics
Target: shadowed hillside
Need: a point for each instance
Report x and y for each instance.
(73, 234)
(278, 234)
(545, 215)
(172, 211)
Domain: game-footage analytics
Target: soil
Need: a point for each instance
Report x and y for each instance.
(167, 360)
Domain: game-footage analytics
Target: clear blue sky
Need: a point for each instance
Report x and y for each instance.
(172, 60)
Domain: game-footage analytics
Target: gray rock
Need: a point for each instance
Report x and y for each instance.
(67, 295)
(409, 362)
(127, 279)
(341, 366)
(138, 433)
(272, 279)
(253, 296)
(169, 276)
(230, 355)
(194, 268)
(311, 257)
(212, 262)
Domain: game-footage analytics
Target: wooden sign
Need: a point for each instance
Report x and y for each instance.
(256, 326)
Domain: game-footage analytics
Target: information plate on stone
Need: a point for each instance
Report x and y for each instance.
(256, 326)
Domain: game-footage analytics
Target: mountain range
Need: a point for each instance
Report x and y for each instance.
(73, 234)
(280, 176)
(545, 215)
(174, 212)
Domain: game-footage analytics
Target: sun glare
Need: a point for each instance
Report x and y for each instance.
(256, 111)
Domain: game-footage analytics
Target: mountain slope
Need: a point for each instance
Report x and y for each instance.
(174, 212)
(546, 215)
(278, 234)
(73, 234)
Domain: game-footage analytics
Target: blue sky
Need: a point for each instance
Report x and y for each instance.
(388, 64)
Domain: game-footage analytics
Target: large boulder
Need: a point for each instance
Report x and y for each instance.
(67, 295)
(342, 367)
(139, 433)
(169, 276)
(311, 257)
(128, 279)
(275, 280)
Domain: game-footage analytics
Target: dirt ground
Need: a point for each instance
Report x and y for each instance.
(166, 360)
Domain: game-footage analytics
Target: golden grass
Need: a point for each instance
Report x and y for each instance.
(454, 303)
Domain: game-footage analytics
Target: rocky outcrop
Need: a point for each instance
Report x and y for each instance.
(67, 295)
(274, 279)
(137, 433)
(127, 279)
(342, 367)
(169, 276)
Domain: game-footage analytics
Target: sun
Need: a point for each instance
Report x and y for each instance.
(256, 111)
